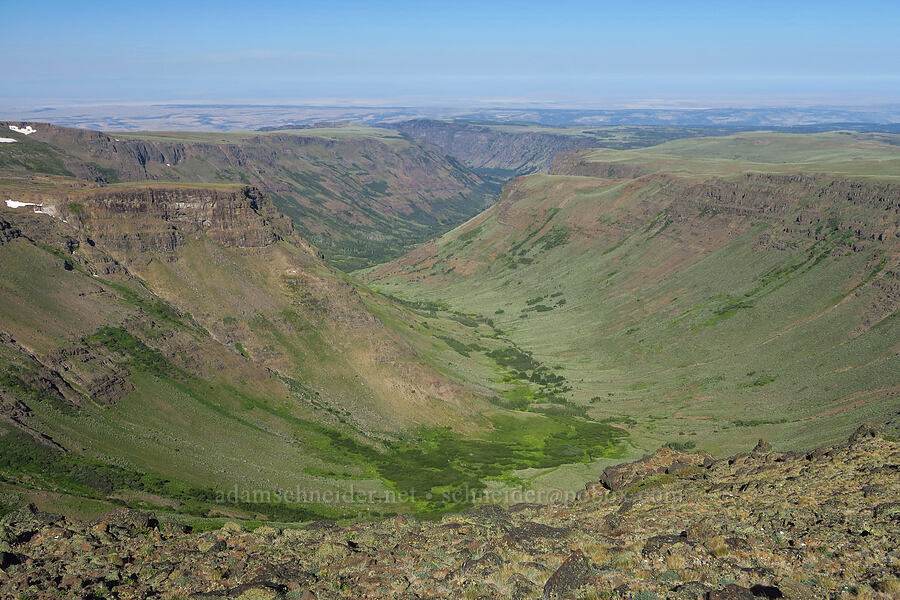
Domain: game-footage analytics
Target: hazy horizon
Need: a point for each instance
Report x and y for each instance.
(573, 55)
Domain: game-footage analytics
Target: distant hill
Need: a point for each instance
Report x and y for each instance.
(230, 117)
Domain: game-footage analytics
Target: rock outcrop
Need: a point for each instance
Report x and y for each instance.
(664, 461)
(135, 220)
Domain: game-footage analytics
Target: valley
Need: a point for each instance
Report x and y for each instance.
(195, 323)
(470, 301)
(699, 293)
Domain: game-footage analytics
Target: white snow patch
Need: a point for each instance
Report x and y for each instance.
(27, 130)
(8, 140)
(40, 208)
(17, 204)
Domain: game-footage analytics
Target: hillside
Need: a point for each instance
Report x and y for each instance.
(186, 333)
(360, 194)
(502, 148)
(764, 524)
(163, 344)
(699, 293)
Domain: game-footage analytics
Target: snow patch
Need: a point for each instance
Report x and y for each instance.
(40, 208)
(8, 140)
(27, 130)
(17, 204)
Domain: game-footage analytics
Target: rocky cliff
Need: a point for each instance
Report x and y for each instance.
(135, 220)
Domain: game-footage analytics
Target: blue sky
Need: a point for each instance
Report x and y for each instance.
(563, 52)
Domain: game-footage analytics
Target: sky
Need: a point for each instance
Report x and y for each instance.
(554, 53)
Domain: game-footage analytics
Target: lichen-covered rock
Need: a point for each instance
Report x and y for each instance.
(574, 573)
(663, 461)
(730, 592)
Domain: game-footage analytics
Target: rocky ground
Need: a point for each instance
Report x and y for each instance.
(821, 524)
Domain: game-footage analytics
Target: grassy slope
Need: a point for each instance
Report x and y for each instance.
(688, 328)
(345, 406)
(224, 423)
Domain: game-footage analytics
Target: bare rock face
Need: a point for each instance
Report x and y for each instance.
(100, 377)
(8, 231)
(32, 381)
(136, 220)
(481, 146)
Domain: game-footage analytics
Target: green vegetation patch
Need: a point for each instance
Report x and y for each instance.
(557, 236)
(455, 344)
(141, 356)
(442, 471)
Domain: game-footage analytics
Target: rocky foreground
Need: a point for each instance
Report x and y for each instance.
(821, 524)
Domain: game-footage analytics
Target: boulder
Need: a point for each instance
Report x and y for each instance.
(663, 461)
(762, 447)
(864, 432)
(692, 590)
(487, 563)
(730, 592)
(657, 543)
(766, 591)
(129, 519)
(575, 572)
